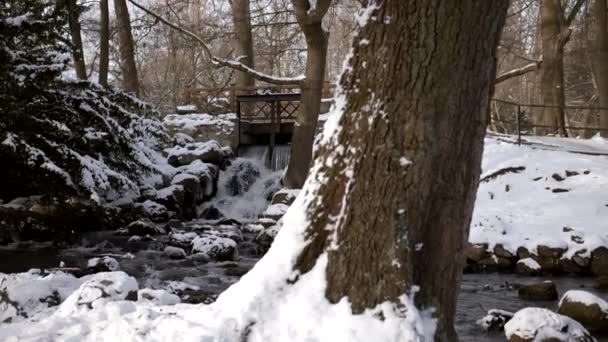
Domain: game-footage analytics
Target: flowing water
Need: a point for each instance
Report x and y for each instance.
(276, 161)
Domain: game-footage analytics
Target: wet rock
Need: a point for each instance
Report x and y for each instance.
(158, 297)
(175, 224)
(182, 240)
(208, 152)
(476, 252)
(540, 291)
(586, 308)
(243, 174)
(154, 211)
(601, 282)
(500, 251)
(175, 252)
(569, 266)
(138, 243)
(275, 211)
(542, 325)
(528, 267)
(495, 320)
(557, 177)
(102, 264)
(285, 196)
(144, 227)
(193, 193)
(211, 213)
(523, 252)
(495, 263)
(215, 247)
(599, 261)
(548, 258)
(571, 173)
(100, 288)
(229, 222)
(197, 296)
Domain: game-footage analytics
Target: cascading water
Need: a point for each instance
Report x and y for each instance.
(245, 189)
(277, 160)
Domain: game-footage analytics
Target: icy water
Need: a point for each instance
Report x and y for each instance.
(479, 292)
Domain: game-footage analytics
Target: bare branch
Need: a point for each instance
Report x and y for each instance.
(220, 61)
(574, 11)
(517, 72)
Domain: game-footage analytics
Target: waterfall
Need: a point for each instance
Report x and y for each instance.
(277, 161)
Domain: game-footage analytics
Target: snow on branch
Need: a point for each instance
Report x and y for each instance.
(234, 64)
(517, 72)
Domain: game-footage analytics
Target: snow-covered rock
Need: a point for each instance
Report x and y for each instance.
(102, 264)
(144, 227)
(208, 152)
(285, 196)
(100, 288)
(494, 320)
(586, 308)
(275, 211)
(215, 247)
(158, 297)
(527, 266)
(175, 252)
(542, 325)
(205, 127)
(154, 211)
(171, 197)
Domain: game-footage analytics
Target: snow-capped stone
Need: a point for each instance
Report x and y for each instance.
(599, 261)
(158, 297)
(215, 247)
(542, 325)
(539, 291)
(275, 211)
(586, 308)
(193, 190)
(100, 288)
(527, 266)
(26, 295)
(208, 152)
(154, 211)
(102, 264)
(171, 197)
(175, 252)
(494, 320)
(205, 127)
(182, 139)
(285, 196)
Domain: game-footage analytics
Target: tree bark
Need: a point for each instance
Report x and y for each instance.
(104, 42)
(312, 91)
(128, 68)
(74, 25)
(601, 60)
(398, 176)
(241, 18)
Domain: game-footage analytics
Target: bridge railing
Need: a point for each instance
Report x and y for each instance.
(223, 99)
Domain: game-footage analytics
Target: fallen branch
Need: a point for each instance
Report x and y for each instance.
(220, 61)
(517, 72)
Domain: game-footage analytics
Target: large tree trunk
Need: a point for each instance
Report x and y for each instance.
(398, 177)
(552, 69)
(243, 41)
(601, 60)
(74, 24)
(312, 92)
(104, 42)
(128, 68)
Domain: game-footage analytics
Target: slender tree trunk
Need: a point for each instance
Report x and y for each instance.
(552, 69)
(104, 42)
(600, 10)
(74, 25)
(398, 177)
(128, 68)
(243, 40)
(312, 92)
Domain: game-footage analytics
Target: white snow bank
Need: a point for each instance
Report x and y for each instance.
(192, 122)
(158, 297)
(521, 208)
(584, 297)
(540, 324)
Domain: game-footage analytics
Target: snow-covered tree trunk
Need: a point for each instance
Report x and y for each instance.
(73, 10)
(600, 10)
(243, 40)
(310, 20)
(104, 42)
(398, 166)
(128, 68)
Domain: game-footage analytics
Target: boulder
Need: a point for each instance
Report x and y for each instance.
(601, 282)
(569, 266)
(495, 263)
(476, 252)
(171, 197)
(154, 211)
(495, 320)
(215, 247)
(285, 196)
(543, 325)
(539, 291)
(265, 238)
(207, 175)
(599, 261)
(548, 258)
(208, 152)
(102, 264)
(143, 227)
(275, 211)
(243, 173)
(527, 267)
(175, 252)
(586, 308)
(100, 288)
(500, 251)
(158, 297)
(523, 252)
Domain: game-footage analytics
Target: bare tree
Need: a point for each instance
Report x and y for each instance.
(241, 18)
(395, 182)
(104, 42)
(128, 68)
(74, 10)
(310, 20)
(600, 10)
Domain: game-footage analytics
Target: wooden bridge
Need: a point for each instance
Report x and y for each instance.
(266, 113)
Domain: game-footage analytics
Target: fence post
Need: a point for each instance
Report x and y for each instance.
(518, 125)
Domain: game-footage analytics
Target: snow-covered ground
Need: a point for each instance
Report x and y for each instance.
(555, 194)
